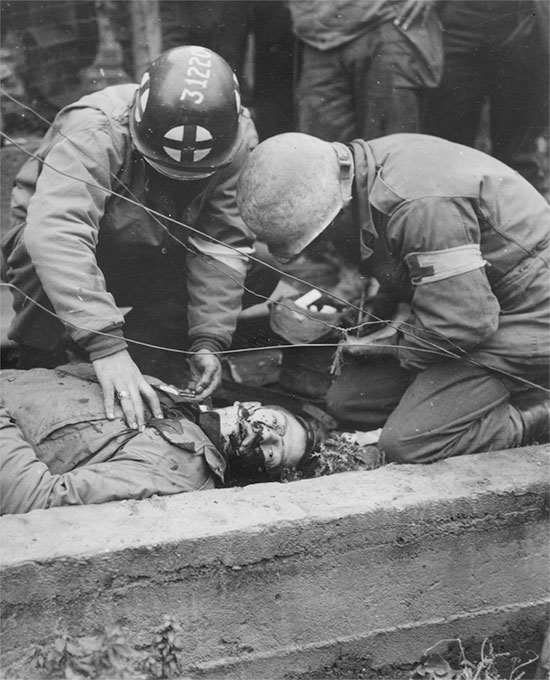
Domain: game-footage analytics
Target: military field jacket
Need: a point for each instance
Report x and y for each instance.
(69, 231)
(58, 448)
(465, 239)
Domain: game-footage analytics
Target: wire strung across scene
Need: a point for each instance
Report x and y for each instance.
(431, 347)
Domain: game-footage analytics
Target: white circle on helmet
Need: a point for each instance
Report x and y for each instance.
(237, 94)
(144, 89)
(187, 143)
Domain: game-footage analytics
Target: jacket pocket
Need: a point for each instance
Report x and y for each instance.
(43, 401)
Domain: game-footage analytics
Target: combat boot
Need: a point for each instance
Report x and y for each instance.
(535, 417)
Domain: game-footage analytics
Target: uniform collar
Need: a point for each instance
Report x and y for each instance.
(346, 163)
(365, 174)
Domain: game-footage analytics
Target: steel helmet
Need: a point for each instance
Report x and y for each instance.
(185, 117)
(291, 188)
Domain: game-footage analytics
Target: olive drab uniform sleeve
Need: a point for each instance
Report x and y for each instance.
(470, 237)
(63, 220)
(454, 308)
(81, 239)
(216, 273)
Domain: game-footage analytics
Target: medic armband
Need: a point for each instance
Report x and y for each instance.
(437, 265)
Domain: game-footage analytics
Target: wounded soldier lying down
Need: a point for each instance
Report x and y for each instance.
(59, 449)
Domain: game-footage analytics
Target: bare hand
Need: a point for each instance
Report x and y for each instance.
(206, 370)
(120, 378)
(414, 10)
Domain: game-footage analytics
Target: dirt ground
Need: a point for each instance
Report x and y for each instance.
(497, 658)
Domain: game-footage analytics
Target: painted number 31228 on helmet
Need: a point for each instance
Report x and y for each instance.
(185, 118)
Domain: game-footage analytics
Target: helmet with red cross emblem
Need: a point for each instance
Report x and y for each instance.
(185, 118)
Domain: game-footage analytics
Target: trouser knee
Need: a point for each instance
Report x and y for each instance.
(396, 447)
(336, 403)
(366, 393)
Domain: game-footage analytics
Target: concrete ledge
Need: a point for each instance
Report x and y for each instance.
(275, 578)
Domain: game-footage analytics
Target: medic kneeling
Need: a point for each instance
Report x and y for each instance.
(459, 243)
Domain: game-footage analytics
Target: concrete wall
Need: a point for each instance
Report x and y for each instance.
(275, 578)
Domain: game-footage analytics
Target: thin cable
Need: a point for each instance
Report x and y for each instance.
(268, 347)
(155, 214)
(441, 351)
(172, 349)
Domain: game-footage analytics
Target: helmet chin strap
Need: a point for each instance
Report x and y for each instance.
(345, 177)
(180, 175)
(345, 162)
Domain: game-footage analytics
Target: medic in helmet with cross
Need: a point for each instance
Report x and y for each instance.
(97, 239)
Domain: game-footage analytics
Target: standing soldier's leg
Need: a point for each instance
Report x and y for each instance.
(453, 110)
(324, 97)
(387, 85)
(519, 99)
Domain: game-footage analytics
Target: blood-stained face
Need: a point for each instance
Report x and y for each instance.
(271, 431)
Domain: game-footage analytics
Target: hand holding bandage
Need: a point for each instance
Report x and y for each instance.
(381, 342)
